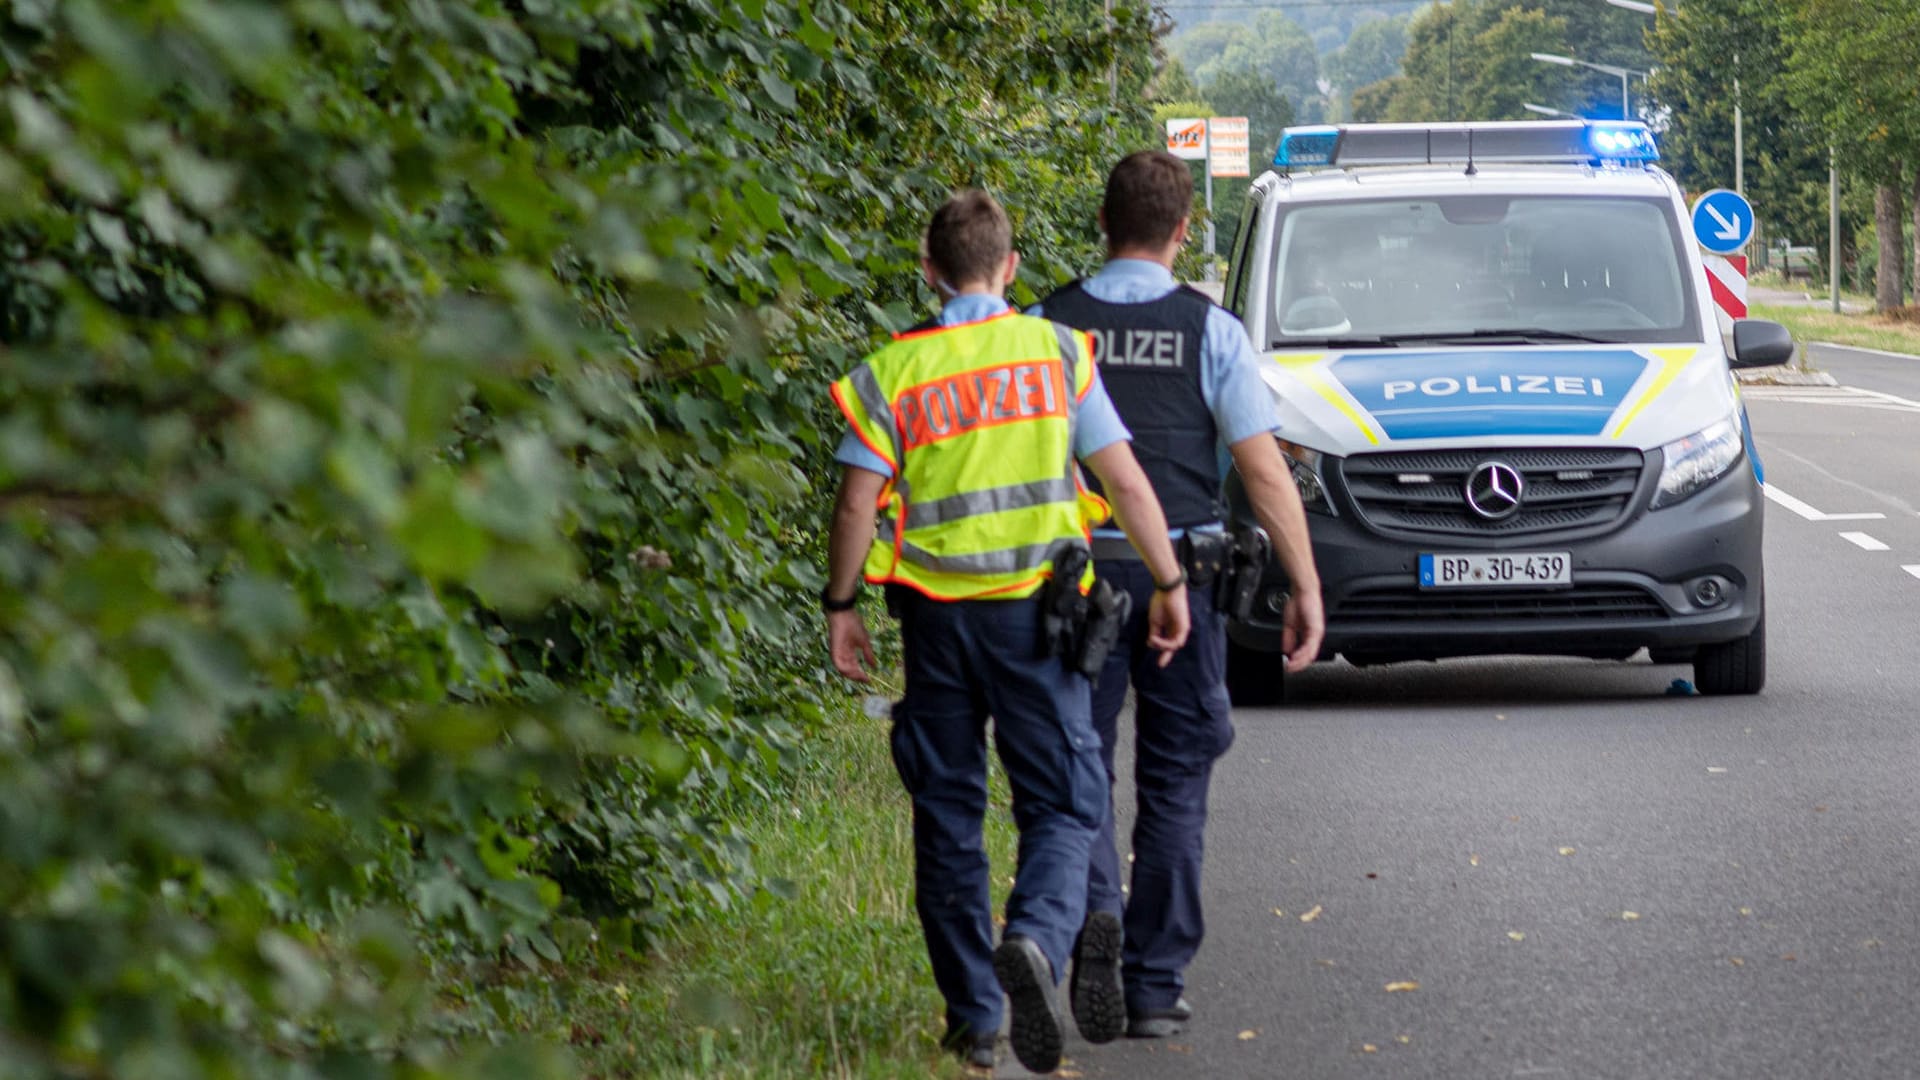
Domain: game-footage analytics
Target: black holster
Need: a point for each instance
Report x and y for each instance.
(1205, 557)
(1081, 628)
(1246, 571)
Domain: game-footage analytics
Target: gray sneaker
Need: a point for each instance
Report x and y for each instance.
(1159, 1023)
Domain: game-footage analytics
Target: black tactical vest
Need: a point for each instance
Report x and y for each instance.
(1149, 356)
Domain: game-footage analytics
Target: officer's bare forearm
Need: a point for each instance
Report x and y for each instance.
(1276, 503)
(851, 533)
(1136, 508)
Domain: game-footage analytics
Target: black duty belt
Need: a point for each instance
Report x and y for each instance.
(1230, 566)
(1203, 553)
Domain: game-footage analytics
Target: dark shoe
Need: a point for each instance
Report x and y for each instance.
(1039, 1031)
(1099, 1003)
(974, 1051)
(1159, 1023)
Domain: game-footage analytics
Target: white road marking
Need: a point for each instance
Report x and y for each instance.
(1856, 348)
(1909, 402)
(1914, 569)
(1810, 513)
(1849, 396)
(1863, 541)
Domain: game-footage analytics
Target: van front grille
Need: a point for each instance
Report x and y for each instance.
(1424, 492)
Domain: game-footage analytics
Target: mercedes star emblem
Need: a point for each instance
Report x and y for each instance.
(1494, 489)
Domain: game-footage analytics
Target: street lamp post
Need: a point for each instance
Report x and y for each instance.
(1626, 112)
(1544, 111)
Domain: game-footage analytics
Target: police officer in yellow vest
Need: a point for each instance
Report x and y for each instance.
(964, 440)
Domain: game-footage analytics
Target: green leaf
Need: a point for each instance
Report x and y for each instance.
(778, 90)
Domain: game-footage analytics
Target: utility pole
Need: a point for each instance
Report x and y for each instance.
(1206, 169)
(1739, 144)
(1833, 226)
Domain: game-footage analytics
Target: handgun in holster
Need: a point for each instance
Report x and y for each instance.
(1247, 569)
(1082, 628)
(1064, 607)
(1107, 611)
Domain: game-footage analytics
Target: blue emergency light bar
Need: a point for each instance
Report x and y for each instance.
(1594, 142)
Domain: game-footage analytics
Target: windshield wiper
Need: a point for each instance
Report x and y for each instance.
(1522, 335)
(1375, 342)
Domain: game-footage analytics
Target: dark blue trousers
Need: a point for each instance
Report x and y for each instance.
(1182, 723)
(966, 661)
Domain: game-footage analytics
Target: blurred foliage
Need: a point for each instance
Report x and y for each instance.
(1470, 60)
(411, 454)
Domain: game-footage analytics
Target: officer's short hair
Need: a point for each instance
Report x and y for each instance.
(1148, 193)
(969, 238)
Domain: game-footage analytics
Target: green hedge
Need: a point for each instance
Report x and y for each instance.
(412, 450)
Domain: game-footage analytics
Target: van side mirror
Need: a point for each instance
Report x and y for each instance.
(1760, 343)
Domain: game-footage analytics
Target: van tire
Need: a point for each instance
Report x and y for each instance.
(1733, 667)
(1255, 677)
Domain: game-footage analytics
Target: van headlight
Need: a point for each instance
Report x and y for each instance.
(1698, 460)
(1307, 477)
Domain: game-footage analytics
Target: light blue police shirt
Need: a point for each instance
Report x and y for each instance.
(1097, 426)
(1230, 381)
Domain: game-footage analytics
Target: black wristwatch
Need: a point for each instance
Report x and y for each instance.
(1171, 585)
(829, 604)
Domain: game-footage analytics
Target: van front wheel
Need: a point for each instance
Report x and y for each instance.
(1733, 667)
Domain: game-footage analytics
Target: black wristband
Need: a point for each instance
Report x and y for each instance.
(828, 603)
(1171, 585)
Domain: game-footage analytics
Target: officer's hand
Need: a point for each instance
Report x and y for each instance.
(1167, 623)
(849, 645)
(1306, 625)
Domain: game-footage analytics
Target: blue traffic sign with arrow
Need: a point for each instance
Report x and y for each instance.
(1722, 221)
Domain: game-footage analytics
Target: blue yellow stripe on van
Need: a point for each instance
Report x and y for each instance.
(1673, 360)
(1306, 368)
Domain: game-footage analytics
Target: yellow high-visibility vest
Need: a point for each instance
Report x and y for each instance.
(977, 422)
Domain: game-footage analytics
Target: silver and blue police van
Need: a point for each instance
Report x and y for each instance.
(1506, 399)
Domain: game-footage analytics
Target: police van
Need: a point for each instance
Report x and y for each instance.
(1506, 399)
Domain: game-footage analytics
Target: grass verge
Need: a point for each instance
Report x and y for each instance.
(1865, 331)
(830, 981)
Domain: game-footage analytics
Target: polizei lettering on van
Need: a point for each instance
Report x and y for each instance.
(1465, 393)
(1164, 349)
(1447, 386)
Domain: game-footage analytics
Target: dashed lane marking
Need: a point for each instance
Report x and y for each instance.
(1863, 541)
(1914, 569)
(1808, 512)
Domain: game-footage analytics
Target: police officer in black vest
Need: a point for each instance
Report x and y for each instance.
(1184, 377)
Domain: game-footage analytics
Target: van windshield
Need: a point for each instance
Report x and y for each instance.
(1602, 269)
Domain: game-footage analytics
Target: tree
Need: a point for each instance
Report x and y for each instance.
(1852, 66)
(1697, 56)
(1252, 95)
(1371, 54)
(1172, 83)
(1248, 94)
(1197, 47)
(1273, 47)
(1470, 61)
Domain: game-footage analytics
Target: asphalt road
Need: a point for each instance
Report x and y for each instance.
(1582, 875)
(1868, 369)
